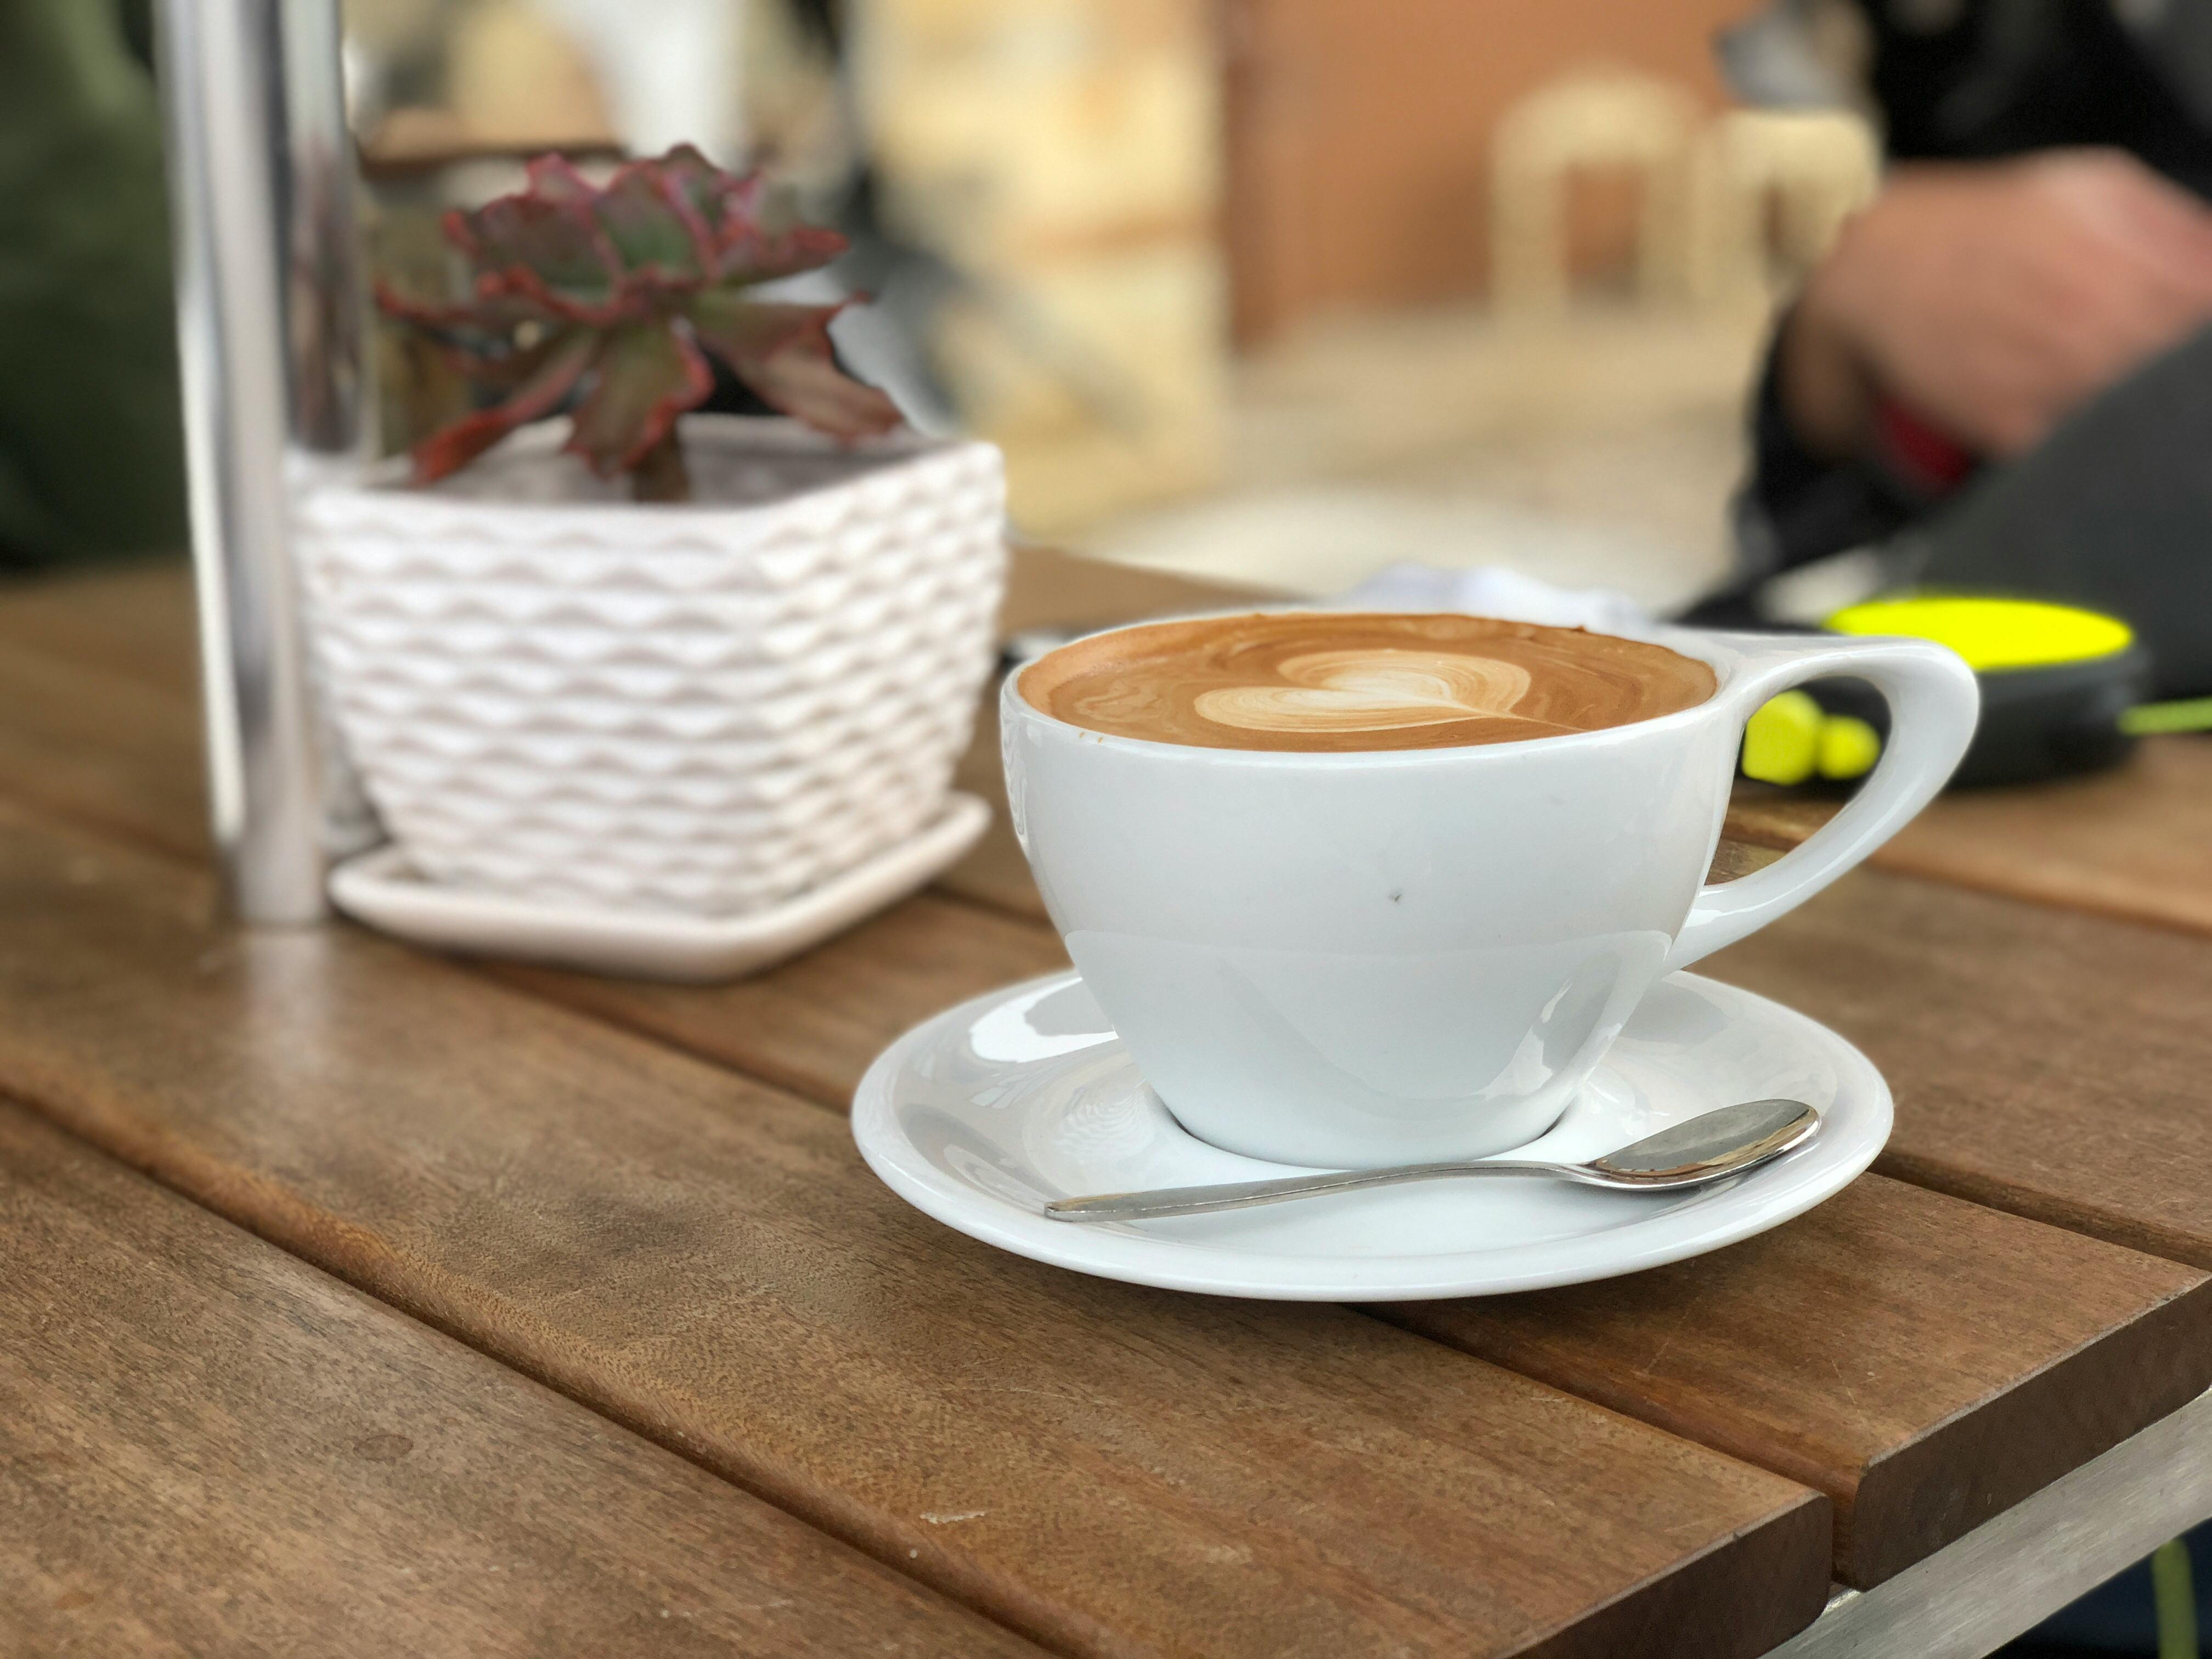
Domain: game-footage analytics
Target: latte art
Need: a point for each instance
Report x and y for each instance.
(1371, 691)
(1321, 681)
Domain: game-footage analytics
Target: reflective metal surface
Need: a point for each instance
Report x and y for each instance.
(1708, 1147)
(271, 327)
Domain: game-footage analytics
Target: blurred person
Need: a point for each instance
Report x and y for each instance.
(91, 434)
(2000, 377)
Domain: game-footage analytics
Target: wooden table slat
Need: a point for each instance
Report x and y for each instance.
(102, 747)
(207, 1446)
(1924, 1362)
(2130, 844)
(812, 1026)
(2047, 1062)
(1109, 1469)
(133, 619)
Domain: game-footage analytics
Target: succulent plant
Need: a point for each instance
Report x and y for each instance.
(611, 296)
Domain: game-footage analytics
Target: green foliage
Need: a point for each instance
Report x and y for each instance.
(91, 435)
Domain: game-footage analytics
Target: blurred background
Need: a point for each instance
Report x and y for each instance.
(1277, 289)
(1283, 290)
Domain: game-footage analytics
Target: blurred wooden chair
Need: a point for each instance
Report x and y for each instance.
(1771, 189)
(1590, 120)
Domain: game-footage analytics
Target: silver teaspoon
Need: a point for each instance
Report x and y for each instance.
(1704, 1148)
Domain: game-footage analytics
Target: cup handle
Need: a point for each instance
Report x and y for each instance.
(1934, 702)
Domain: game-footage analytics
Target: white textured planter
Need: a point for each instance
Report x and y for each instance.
(552, 692)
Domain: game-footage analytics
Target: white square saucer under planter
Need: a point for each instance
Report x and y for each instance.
(382, 890)
(558, 698)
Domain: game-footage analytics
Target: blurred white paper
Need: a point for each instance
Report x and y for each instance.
(1494, 590)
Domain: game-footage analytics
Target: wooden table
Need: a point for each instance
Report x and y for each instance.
(361, 1301)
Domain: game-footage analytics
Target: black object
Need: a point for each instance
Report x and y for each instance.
(2037, 723)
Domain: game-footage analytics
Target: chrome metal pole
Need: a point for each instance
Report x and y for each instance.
(271, 330)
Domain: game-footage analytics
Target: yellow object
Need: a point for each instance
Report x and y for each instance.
(1849, 747)
(1782, 741)
(2174, 1599)
(1993, 635)
(2188, 715)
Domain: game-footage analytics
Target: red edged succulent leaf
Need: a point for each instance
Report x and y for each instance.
(549, 251)
(553, 371)
(497, 316)
(618, 289)
(499, 362)
(758, 235)
(662, 238)
(751, 255)
(697, 181)
(783, 352)
(554, 177)
(641, 379)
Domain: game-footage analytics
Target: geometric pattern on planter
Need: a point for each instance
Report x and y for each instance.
(706, 707)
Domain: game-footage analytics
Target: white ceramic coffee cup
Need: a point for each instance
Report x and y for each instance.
(1351, 960)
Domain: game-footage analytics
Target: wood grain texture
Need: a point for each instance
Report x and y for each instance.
(85, 737)
(211, 1448)
(2130, 844)
(2044, 1061)
(1926, 1362)
(1763, 816)
(812, 1024)
(134, 620)
(1112, 1470)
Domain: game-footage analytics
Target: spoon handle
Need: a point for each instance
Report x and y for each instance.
(1243, 1194)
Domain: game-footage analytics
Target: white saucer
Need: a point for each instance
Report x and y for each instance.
(379, 888)
(981, 1115)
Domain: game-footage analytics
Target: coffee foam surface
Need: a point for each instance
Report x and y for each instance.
(1331, 681)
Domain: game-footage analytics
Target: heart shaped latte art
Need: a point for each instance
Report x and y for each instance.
(1371, 691)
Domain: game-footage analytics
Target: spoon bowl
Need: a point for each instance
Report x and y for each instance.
(1711, 1146)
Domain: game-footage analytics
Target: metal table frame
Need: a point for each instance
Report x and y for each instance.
(2017, 1569)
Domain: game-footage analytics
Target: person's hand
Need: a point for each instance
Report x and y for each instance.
(1993, 298)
